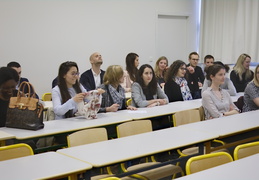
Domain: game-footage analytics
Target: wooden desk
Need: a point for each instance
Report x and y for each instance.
(141, 145)
(246, 168)
(228, 126)
(42, 166)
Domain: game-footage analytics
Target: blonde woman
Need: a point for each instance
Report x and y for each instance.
(160, 69)
(114, 97)
(241, 74)
(251, 96)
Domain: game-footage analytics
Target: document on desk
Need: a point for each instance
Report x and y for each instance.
(137, 111)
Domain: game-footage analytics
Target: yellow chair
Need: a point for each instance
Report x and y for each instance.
(46, 97)
(186, 117)
(245, 150)
(206, 161)
(88, 136)
(128, 102)
(15, 151)
(137, 127)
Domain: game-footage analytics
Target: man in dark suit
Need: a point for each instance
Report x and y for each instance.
(93, 77)
(16, 66)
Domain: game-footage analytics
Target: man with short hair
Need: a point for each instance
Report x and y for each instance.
(195, 79)
(93, 77)
(16, 66)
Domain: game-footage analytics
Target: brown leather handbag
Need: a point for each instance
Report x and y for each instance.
(25, 111)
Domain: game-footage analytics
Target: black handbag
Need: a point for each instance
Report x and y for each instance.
(25, 111)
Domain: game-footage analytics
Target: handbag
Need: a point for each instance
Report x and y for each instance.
(25, 111)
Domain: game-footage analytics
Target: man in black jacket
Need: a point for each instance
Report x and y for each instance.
(195, 78)
(93, 78)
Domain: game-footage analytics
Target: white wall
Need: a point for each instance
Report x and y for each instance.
(40, 35)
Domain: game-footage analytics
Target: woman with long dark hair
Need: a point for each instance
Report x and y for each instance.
(145, 91)
(132, 62)
(69, 92)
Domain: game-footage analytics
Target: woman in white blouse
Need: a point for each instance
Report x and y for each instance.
(215, 100)
(69, 92)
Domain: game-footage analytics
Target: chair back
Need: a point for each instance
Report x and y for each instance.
(15, 151)
(206, 161)
(46, 97)
(133, 128)
(186, 117)
(87, 136)
(245, 150)
(240, 103)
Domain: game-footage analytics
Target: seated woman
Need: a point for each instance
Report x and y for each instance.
(132, 62)
(147, 93)
(251, 96)
(8, 80)
(160, 69)
(176, 86)
(113, 99)
(241, 74)
(228, 85)
(69, 92)
(216, 101)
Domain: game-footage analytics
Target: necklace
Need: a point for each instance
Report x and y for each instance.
(218, 94)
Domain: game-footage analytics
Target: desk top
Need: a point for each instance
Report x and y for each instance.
(5, 136)
(41, 166)
(68, 125)
(246, 168)
(227, 125)
(145, 144)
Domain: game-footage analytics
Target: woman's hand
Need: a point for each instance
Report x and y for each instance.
(79, 97)
(153, 104)
(112, 108)
(161, 101)
(131, 108)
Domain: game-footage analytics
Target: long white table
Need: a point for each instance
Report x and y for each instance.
(246, 168)
(168, 109)
(68, 125)
(5, 136)
(123, 149)
(42, 166)
(229, 125)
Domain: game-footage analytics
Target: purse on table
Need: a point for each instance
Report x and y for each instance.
(25, 111)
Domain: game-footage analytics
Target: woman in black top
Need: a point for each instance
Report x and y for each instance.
(176, 87)
(8, 81)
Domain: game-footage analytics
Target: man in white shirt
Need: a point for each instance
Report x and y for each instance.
(93, 77)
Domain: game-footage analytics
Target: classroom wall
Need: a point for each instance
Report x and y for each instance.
(40, 35)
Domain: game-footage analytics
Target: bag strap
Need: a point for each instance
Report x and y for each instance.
(22, 87)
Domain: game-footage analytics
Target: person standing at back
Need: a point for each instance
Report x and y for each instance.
(93, 78)
(241, 74)
(195, 79)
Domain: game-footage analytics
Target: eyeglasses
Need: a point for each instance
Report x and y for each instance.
(75, 73)
(195, 59)
(183, 69)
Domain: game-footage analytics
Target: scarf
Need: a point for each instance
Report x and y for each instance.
(186, 94)
(117, 97)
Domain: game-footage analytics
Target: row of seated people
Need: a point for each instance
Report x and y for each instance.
(179, 79)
